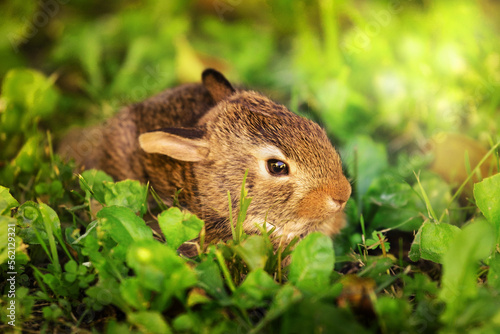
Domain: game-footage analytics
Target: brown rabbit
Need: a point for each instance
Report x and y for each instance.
(202, 137)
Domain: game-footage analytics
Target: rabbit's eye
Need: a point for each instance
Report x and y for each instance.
(277, 167)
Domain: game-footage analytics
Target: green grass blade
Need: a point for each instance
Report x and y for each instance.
(225, 270)
(157, 198)
(428, 204)
(231, 223)
(460, 189)
(244, 204)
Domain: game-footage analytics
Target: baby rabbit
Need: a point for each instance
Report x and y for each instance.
(202, 137)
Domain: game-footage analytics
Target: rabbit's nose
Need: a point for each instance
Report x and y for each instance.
(334, 205)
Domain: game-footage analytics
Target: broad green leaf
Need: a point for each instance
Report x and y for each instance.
(70, 277)
(184, 322)
(197, 296)
(128, 193)
(49, 215)
(494, 273)
(179, 227)
(253, 292)
(312, 263)
(148, 265)
(253, 251)
(7, 202)
(123, 225)
(30, 90)
(133, 292)
(93, 183)
(159, 268)
(31, 217)
(210, 279)
(71, 267)
(113, 327)
(28, 158)
(149, 322)
(433, 241)
(460, 263)
(487, 195)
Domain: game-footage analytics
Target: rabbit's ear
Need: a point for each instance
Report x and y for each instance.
(217, 84)
(178, 143)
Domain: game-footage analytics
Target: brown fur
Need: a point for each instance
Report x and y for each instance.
(225, 132)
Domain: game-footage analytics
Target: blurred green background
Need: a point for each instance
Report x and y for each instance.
(397, 84)
(390, 69)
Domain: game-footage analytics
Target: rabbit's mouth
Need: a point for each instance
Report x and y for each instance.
(300, 228)
(287, 231)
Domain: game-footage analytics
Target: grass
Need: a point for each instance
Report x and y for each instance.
(420, 253)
